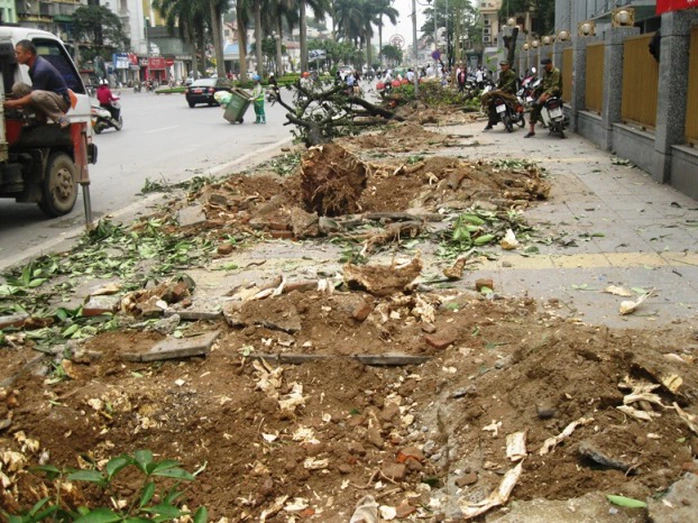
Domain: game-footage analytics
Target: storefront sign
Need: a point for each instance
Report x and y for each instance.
(120, 60)
(133, 58)
(157, 63)
(169, 62)
(664, 6)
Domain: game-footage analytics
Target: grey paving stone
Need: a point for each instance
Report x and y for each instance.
(174, 348)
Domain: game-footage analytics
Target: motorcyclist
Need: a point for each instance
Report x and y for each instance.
(506, 89)
(551, 86)
(105, 97)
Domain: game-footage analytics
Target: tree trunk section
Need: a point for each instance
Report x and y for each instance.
(242, 42)
(258, 36)
(304, 38)
(380, 43)
(279, 39)
(217, 39)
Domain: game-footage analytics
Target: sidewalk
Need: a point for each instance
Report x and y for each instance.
(628, 231)
(619, 227)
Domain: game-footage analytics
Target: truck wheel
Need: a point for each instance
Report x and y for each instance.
(59, 187)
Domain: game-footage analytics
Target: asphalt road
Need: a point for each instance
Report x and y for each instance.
(162, 140)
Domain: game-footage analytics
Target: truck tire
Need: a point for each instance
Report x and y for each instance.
(59, 188)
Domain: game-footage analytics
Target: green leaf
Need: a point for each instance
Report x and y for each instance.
(100, 515)
(147, 494)
(166, 464)
(93, 476)
(622, 501)
(164, 510)
(116, 464)
(143, 459)
(49, 469)
(176, 473)
(201, 515)
(138, 520)
(70, 330)
(484, 239)
(33, 284)
(37, 507)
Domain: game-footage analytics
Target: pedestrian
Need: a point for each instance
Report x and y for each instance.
(461, 77)
(48, 94)
(258, 100)
(410, 75)
(552, 86)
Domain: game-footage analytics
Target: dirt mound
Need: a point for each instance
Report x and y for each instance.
(331, 430)
(399, 137)
(334, 182)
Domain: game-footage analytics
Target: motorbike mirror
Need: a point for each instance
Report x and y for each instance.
(533, 70)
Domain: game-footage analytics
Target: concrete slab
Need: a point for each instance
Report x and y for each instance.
(174, 348)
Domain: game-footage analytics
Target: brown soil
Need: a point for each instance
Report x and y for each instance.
(403, 433)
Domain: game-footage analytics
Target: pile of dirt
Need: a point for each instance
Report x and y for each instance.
(332, 181)
(314, 438)
(399, 138)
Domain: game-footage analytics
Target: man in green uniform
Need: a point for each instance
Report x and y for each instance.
(506, 88)
(551, 86)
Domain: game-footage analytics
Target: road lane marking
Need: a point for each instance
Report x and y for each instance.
(161, 129)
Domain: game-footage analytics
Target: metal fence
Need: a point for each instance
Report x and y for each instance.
(594, 78)
(692, 104)
(640, 82)
(567, 56)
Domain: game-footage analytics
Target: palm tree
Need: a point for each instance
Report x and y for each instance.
(258, 34)
(319, 8)
(279, 12)
(217, 8)
(348, 19)
(189, 18)
(384, 8)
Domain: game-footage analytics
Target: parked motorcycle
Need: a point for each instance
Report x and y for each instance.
(553, 116)
(509, 113)
(103, 119)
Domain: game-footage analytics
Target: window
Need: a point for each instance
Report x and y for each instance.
(54, 52)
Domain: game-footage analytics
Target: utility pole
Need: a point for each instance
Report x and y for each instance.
(147, 48)
(416, 50)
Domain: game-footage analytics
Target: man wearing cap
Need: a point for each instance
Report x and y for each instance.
(551, 86)
(506, 88)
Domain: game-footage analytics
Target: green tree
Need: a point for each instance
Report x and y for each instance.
(392, 54)
(384, 8)
(188, 19)
(542, 13)
(102, 28)
(461, 16)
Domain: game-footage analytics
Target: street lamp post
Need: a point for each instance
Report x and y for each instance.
(147, 49)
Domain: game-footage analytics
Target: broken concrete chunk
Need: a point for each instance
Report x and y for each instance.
(394, 471)
(190, 216)
(678, 504)
(172, 348)
(98, 305)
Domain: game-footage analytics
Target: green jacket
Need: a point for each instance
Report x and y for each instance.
(507, 82)
(552, 82)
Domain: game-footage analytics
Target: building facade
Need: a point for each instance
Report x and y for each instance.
(570, 13)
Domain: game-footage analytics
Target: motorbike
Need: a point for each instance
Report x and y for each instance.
(553, 116)
(102, 119)
(525, 94)
(509, 113)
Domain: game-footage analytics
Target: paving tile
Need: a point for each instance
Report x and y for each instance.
(176, 348)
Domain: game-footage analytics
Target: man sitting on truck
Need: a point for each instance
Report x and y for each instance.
(48, 94)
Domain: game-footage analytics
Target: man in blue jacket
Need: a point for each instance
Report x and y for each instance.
(48, 94)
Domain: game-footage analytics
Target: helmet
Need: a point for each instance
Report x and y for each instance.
(256, 78)
(104, 82)
(305, 74)
(271, 74)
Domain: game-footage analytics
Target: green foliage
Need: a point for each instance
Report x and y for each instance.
(392, 54)
(109, 250)
(100, 26)
(156, 500)
(434, 94)
(477, 228)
